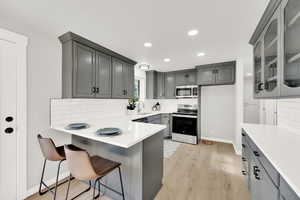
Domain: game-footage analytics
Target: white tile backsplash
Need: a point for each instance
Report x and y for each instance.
(82, 110)
(288, 113)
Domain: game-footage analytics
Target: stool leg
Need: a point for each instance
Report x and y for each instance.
(42, 178)
(121, 183)
(68, 188)
(57, 176)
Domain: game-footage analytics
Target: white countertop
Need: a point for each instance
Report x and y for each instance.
(281, 146)
(132, 132)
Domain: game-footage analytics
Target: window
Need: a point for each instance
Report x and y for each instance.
(137, 89)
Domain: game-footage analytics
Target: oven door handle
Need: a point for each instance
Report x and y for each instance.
(184, 116)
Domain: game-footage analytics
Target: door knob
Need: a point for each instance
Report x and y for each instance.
(9, 130)
(9, 119)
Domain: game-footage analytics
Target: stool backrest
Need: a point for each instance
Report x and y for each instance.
(48, 149)
(79, 163)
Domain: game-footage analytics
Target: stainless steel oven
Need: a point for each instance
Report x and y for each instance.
(184, 124)
(190, 91)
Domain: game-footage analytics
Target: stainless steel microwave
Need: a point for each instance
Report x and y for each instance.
(189, 91)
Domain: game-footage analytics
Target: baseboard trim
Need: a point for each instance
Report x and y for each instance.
(217, 140)
(35, 189)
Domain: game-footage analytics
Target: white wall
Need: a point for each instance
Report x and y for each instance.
(218, 113)
(44, 82)
(251, 105)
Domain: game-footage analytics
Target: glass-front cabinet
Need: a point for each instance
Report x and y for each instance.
(291, 48)
(271, 38)
(258, 82)
(276, 42)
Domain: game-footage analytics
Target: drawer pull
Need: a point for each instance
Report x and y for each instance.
(243, 134)
(244, 173)
(244, 159)
(243, 145)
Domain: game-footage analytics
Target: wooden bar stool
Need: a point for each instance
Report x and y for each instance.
(51, 153)
(86, 168)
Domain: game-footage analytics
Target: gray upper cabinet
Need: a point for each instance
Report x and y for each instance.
(84, 71)
(103, 75)
(205, 76)
(92, 71)
(279, 30)
(186, 77)
(123, 79)
(225, 74)
(216, 74)
(151, 84)
(155, 85)
(291, 48)
(160, 85)
(170, 85)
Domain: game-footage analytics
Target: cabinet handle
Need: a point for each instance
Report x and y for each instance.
(256, 153)
(256, 170)
(244, 173)
(93, 90)
(243, 134)
(260, 86)
(123, 92)
(243, 145)
(97, 90)
(244, 159)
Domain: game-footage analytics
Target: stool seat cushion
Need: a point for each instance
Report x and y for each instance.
(61, 151)
(103, 166)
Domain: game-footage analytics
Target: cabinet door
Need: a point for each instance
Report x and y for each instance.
(128, 74)
(270, 66)
(291, 49)
(186, 77)
(160, 85)
(84, 71)
(258, 83)
(103, 75)
(118, 90)
(225, 74)
(151, 84)
(170, 85)
(206, 76)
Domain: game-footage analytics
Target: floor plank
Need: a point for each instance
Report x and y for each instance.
(193, 172)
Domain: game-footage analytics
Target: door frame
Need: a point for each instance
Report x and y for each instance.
(21, 43)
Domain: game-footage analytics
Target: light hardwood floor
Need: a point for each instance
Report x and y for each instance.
(193, 172)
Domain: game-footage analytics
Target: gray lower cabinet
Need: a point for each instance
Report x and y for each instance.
(186, 77)
(264, 181)
(123, 79)
(166, 120)
(92, 71)
(216, 74)
(84, 71)
(170, 85)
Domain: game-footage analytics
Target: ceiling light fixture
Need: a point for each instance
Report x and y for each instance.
(167, 59)
(201, 54)
(193, 32)
(147, 44)
(144, 66)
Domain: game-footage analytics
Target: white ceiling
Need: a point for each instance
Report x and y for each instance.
(225, 26)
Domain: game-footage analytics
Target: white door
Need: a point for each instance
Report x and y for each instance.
(8, 118)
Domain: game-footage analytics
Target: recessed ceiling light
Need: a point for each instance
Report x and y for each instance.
(193, 32)
(201, 54)
(147, 44)
(144, 66)
(167, 59)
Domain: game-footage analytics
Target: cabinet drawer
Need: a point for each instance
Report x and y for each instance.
(286, 191)
(271, 171)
